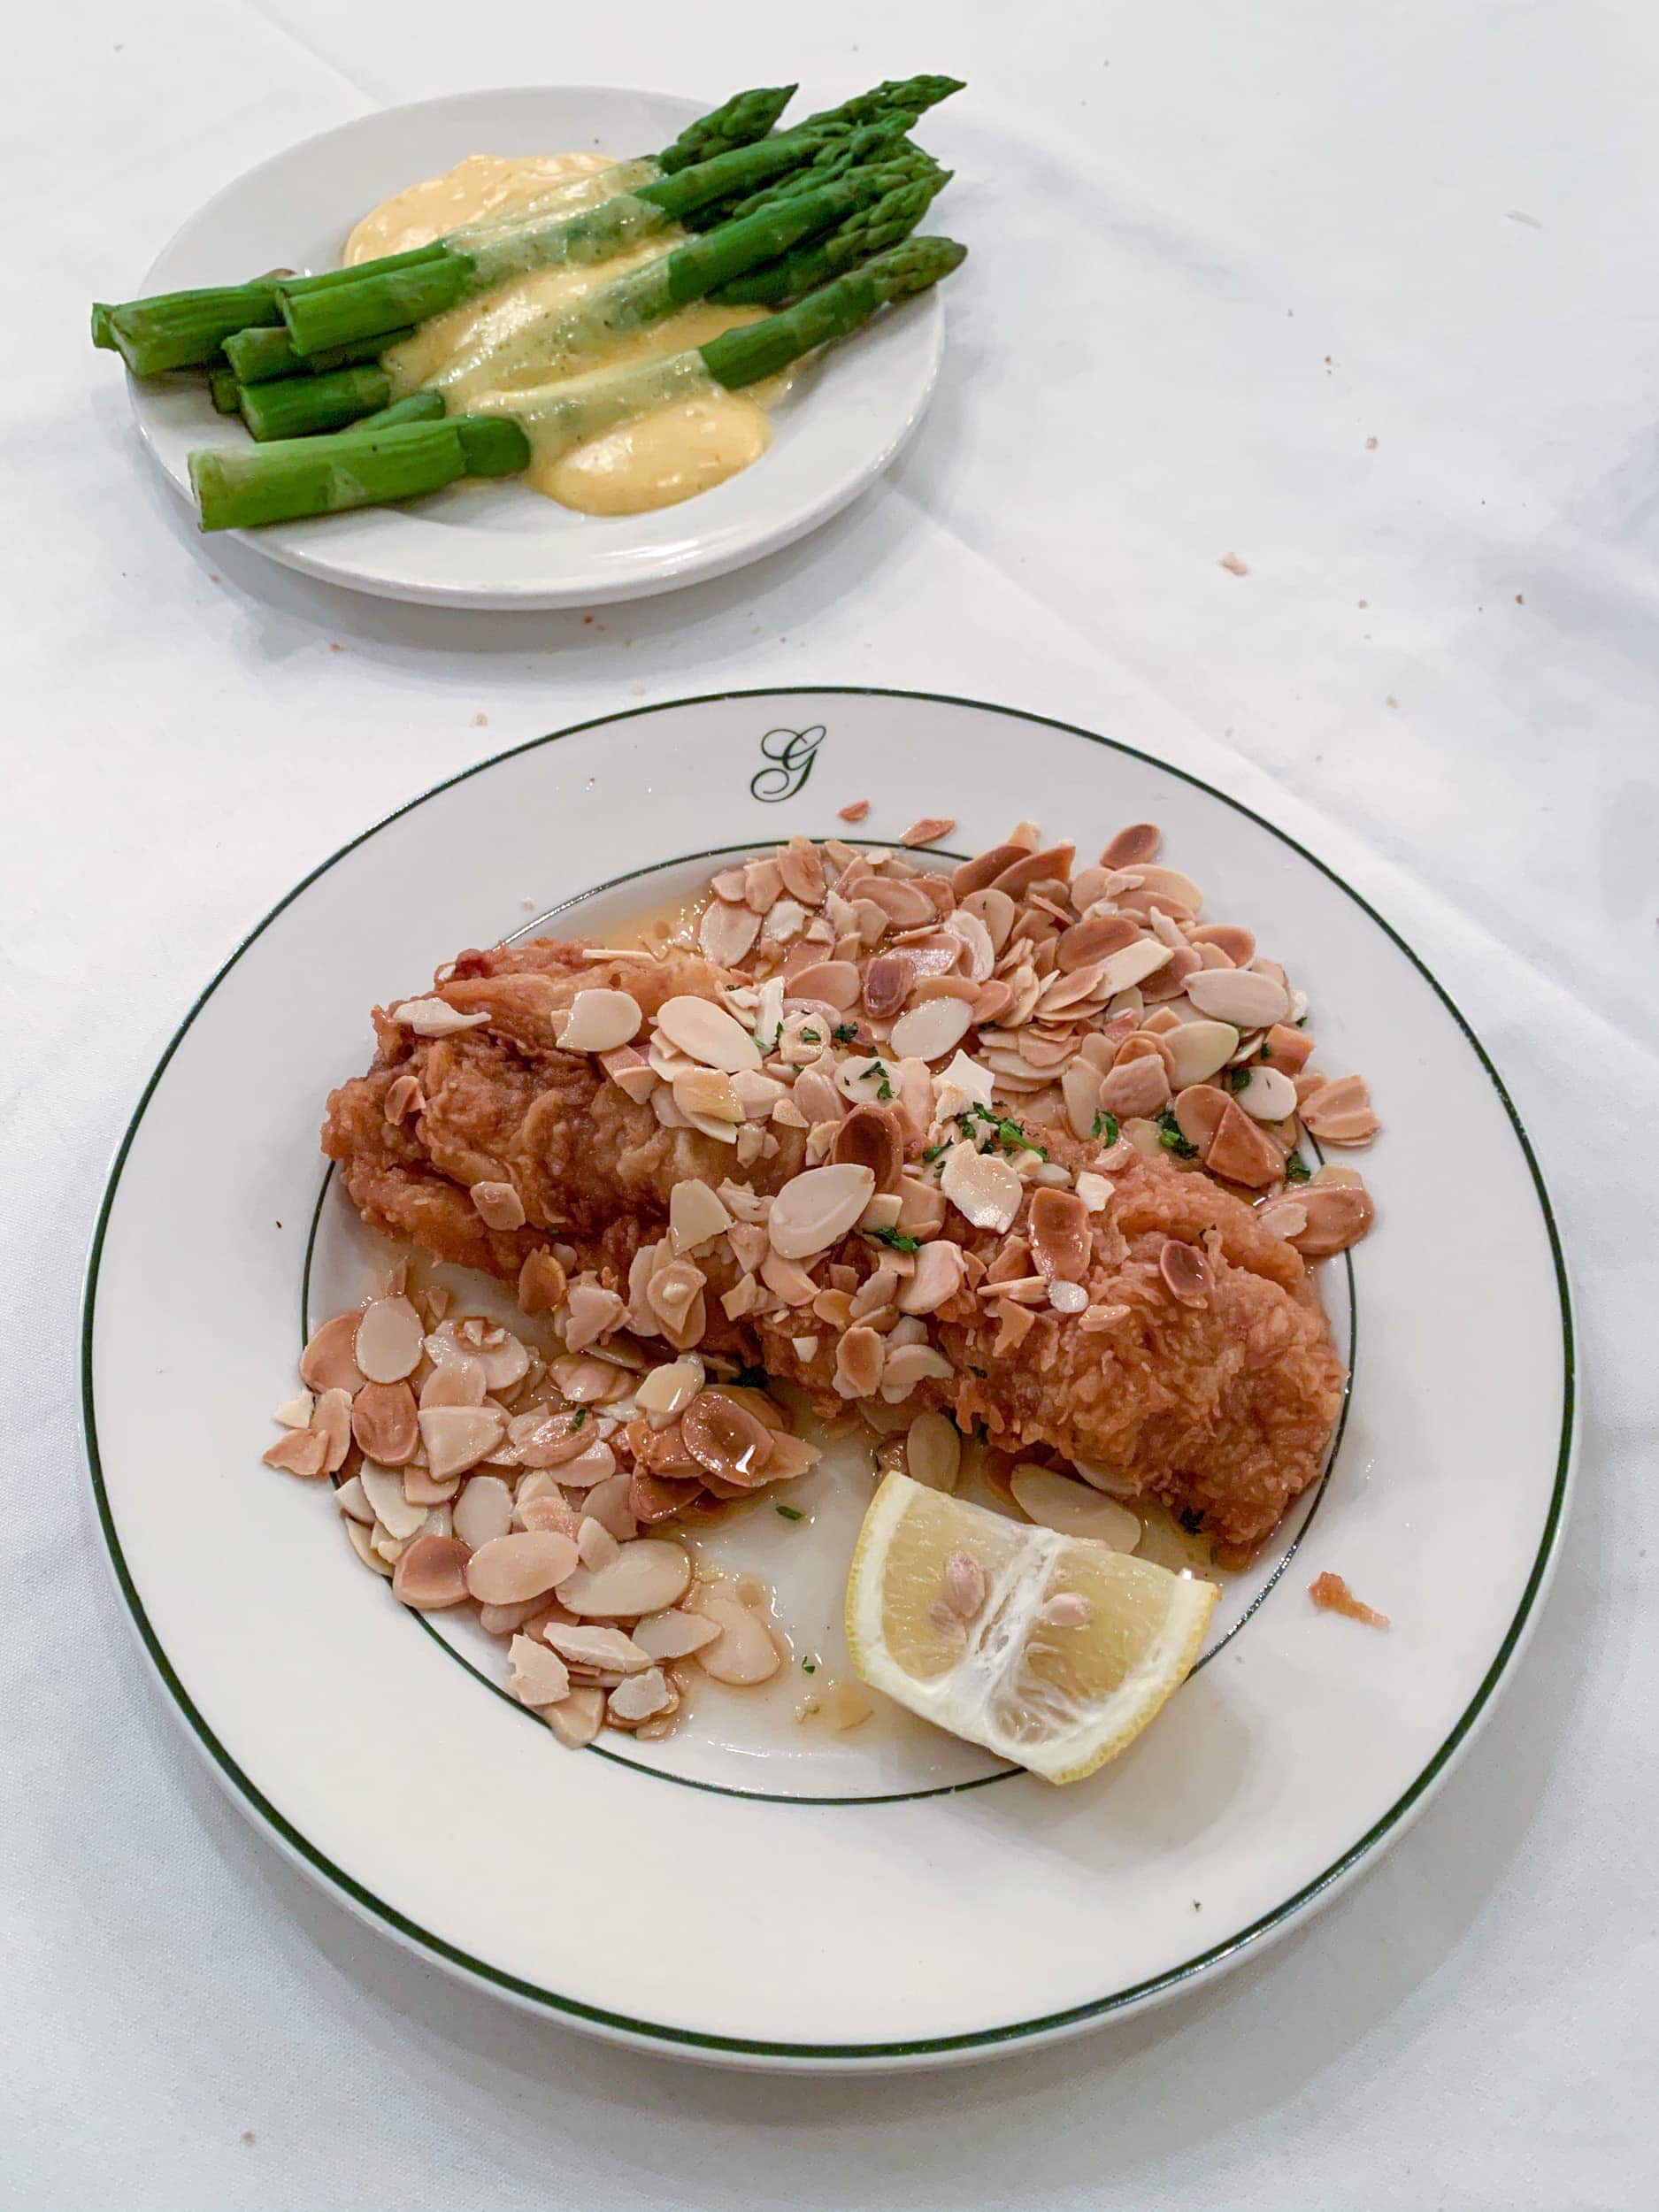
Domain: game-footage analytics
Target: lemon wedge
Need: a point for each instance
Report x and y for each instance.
(1053, 1651)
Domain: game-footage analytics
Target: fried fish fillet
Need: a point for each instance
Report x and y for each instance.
(1224, 1407)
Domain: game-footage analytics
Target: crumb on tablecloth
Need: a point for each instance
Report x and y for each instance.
(856, 811)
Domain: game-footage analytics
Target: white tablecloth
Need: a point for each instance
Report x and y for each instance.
(1366, 299)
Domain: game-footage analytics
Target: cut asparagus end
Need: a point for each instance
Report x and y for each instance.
(184, 330)
(303, 406)
(224, 390)
(260, 356)
(246, 487)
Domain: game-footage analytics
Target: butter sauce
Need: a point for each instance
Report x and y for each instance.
(523, 347)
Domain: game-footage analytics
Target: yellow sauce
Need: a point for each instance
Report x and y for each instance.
(475, 187)
(505, 342)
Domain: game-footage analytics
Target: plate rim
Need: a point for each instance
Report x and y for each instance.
(675, 572)
(768, 2052)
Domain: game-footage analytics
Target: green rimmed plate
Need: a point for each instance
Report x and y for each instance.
(889, 1896)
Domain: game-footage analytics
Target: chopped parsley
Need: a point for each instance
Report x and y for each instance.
(1296, 1169)
(934, 1152)
(844, 1033)
(884, 1081)
(1237, 1078)
(751, 1378)
(894, 1241)
(811, 1037)
(1265, 1050)
(998, 1130)
(790, 1512)
(581, 1415)
(1192, 1520)
(809, 1666)
(1105, 1125)
(1170, 1138)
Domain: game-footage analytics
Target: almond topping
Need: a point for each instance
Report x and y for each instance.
(431, 1573)
(858, 1360)
(387, 1344)
(646, 1576)
(825, 982)
(1238, 995)
(600, 1021)
(1239, 1150)
(982, 1186)
(1059, 1233)
(328, 1361)
(1186, 1271)
(435, 1017)
(726, 1439)
(510, 1567)
(1056, 1500)
(705, 1033)
(871, 1137)
(931, 1030)
(1138, 842)
(940, 1268)
(458, 1437)
(499, 1205)
(816, 1209)
(383, 1423)
(725, 933)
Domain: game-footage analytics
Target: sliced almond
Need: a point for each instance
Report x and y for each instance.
(1266, 1094)
(435, 1017)
(1242, 996)
(817, 1208)
(743, 1654)
(1198, 1050)
(726, 1439)
(706, 1034)
(389, 1340)
(521, 1565)
(931, 1030)
(1122, 970)
(331, 1418)
(1133, 846)
(646, 1576)
(1321, 1219)
(905, 1367)
(832, 983)
(299, 1452)
(539, 1676)
(458, 1437)
(1060, 1235)
(727, 934)
(1240, 1151)
(382, 1417)
(483, 1511)
(498, 1206)
(669, 1389)
(1186, 1271)
(396, 1512)
(982, 1186)
(940, 1268)
(600, 1020)
(933, 1451)
(639, 1696)
(431, 1573)
(673, 1634)
(329, 1361)
(801, 867)
(606, 1648)
(1340, 1112)
(858, 1360)
(1136, 1087)
(1056, 1500)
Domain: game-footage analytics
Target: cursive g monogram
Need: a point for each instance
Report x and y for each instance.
(792, 753)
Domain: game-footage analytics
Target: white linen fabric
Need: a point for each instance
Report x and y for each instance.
(1362, 299)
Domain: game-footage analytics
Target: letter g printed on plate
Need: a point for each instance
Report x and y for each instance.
(791, 753)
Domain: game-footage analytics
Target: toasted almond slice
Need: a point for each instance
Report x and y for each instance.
(907, 1366)
(328, 1361)
(1060, 1235)
(1094, 1190)
(832, 983)
(1266, 1094)
(674, 1634)
(482, 1512)
(1131, 847)
(1136, 1087)
(1242, 996)
(1340, 1112)
(539, 1676)
(669, 1389)
(1186, 1271)
(647, 1576)
(1072, 1509)
(859, 1355)
(929, 830)
(295, 1412)
(940, 1268)
(982, 1186)
(1123, 971)
(1198, 1113)
(817, 1208)
(933, 1451)
(431, 1573)
(353, 1501)
(801, 867)
(595, 1545)
(577, 1719)
(1080, 1087)
(331, 1418)
(743, 1654)
(1053, 863)
(435, 1017)
(854, 811)
(706, 1034)
(458, 1437)
(903, 905)
(1095, 939)
(389, 1340)
(382, 1418)
(1239, 1150)
(299, 1452)
(510, 1567)
(1198, 1050)
(610, 1648)
(726, 1439)
(1333, 1215)
(498, 1205)
(384, 1489)
(707, 1093)
(640, 1695)
(727, 934)
(931, 1030)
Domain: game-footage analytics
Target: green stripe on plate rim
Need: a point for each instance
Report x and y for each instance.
(1172, 1978)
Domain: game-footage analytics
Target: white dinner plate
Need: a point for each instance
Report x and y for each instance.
(752, 1889)
(497, 544)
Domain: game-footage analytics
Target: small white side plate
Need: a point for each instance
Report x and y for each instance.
(885, 1898)
(497, 544)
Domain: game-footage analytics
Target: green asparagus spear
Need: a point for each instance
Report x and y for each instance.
(871, 230)
(299, 406)
(223, 389)
(906, 97)
(173, 330)
(387, 299)
(260, 356)
(418, 407)
(746, 117)
(242, 488)
(645, 296)
(238, 487)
